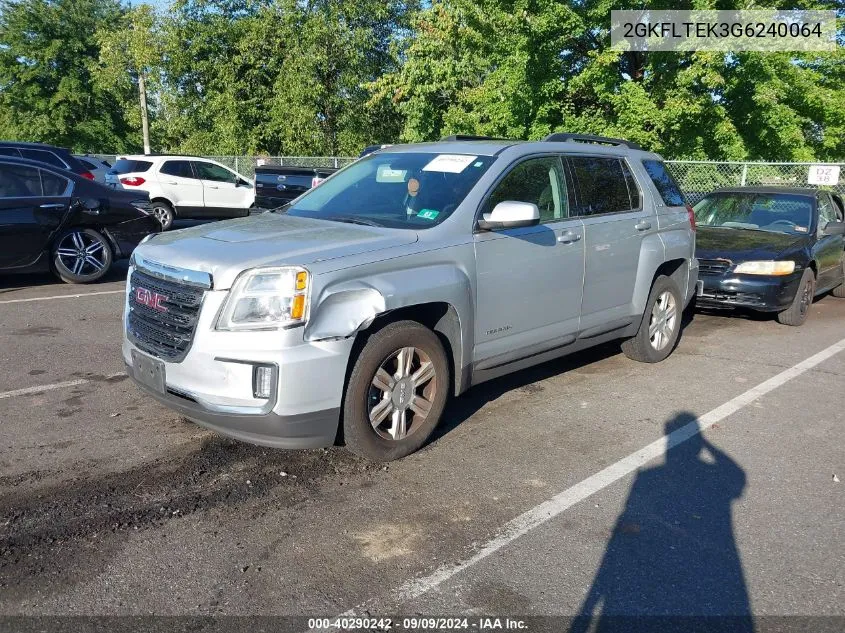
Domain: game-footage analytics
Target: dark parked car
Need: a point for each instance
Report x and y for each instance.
(770, 249)
(276, 186)
(51, 219)
(50, 154)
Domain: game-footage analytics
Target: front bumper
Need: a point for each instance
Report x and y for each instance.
(213, 385)
(763, 293)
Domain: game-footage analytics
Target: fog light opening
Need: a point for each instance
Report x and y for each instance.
(263, 381)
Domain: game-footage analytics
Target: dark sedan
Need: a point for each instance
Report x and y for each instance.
(771, 249)
(52, 219)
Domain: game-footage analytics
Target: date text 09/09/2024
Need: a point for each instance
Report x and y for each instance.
(417, 624)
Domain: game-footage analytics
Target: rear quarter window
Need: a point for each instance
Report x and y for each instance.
(664, 183)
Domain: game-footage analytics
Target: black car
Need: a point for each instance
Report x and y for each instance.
(50, 154)
(276, 185)
(770, 249)
(52, 219)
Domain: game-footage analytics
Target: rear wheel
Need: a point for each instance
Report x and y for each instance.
(164, 212)
(397, 392)
(797, 313)
(81, 256)
(661, 324)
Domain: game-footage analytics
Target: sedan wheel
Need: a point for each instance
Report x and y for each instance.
(81, 256)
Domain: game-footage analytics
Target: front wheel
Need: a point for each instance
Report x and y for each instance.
(839, 291)
(797, 313)
(661, 324)
(396, 393)
(81, 256)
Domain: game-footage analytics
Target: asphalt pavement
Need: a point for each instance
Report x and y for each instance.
(547, 492)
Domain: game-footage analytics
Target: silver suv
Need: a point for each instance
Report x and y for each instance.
(356, 310)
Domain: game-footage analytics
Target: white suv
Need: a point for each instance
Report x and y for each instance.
(184, 186)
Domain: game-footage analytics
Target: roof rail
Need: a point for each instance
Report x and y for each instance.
(471, 137)
(563, 137)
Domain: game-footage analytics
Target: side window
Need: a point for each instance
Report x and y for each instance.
(826, 211)
(664, 183)
(52, 184)
(17, 181)
(539, 181)
(9, 151)
(840, 207)
(179, 168)
(602, 185)
(44, 156)
(210, 171)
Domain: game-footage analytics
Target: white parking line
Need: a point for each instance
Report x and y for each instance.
(548, 510)
(84, 294)
(56, 385)
(28, 390)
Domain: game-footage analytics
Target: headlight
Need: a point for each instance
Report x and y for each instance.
(765, 268)
(266, 299)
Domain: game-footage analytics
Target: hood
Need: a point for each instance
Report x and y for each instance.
(742, 245)
(225, 249)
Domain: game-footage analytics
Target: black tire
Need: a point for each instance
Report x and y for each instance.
(364, 399)
(798, 312)
(839, 291)
(164, 212)
(81, 256)
(653, 348)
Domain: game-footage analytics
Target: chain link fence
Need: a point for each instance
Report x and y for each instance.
(696, 178)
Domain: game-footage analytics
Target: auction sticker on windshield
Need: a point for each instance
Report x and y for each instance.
(450, 163)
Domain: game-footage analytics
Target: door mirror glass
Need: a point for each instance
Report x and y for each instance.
(510, 214)
(834, 228)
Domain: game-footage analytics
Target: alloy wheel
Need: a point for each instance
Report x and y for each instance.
(806, 298)
(82, 254)
(661, 325)
(401, 393)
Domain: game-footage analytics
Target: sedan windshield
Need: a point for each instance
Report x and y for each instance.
(774, 212)
(396, 190)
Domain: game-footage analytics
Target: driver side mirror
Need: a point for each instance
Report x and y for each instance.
(510, 215)
(834, 228)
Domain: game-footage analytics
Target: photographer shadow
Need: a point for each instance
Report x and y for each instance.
(672, 561)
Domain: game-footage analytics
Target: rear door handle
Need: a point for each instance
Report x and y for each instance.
(568, 237)
(645, 225)
(52, 205)
(170, 182)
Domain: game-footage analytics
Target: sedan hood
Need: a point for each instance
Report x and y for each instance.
(225, 249)
(742, 245)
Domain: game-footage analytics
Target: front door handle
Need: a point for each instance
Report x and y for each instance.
(212, 186)
(568, 237)
(53, 205)
(645, 225)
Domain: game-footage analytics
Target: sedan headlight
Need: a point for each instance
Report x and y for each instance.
(766, 268)
(266, 299)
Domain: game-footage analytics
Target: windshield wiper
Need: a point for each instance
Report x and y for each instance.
(350, 219)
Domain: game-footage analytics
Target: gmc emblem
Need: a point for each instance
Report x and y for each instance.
(150, 299)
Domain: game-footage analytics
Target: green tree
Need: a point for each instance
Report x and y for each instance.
(48, 50)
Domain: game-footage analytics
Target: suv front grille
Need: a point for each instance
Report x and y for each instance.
(163, 315)
(713, 266)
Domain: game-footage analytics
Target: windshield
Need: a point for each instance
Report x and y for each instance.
(396, 190)
(773, 212)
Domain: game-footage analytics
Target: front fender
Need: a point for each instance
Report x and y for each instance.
(346, 307)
